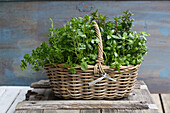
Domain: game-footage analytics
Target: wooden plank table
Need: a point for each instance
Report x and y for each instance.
(10, 96)
(43, 99)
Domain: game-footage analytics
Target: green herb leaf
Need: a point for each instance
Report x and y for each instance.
(115, 37)
(72, 70)
(144, 34)
(84, 66)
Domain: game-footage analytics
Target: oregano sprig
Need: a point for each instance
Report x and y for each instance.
(76, 44)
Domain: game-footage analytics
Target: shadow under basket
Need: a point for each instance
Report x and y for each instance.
(76, 86)
(112, 84)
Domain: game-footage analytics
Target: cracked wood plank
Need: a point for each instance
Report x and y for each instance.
(81, 104)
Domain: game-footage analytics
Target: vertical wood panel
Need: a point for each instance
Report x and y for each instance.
(19, 98)
(7, 99)
(166, 102)
(156, 99)
(2, 91)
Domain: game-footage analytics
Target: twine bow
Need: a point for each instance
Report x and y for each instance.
(98, 67)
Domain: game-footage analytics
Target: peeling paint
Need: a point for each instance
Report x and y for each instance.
(146, 25)
(25, 44)
(23, 25)
(164, 73)
(5, 34)
(164, 32)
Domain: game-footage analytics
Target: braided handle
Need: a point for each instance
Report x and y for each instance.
(100, 45)
(98, 67)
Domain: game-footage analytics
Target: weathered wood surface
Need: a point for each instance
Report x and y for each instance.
(2, 91)
(61, 111)
(82, 104)
(138, 101)
(126, 111)
(91, 111)
(156, 99)
(166, 102)
(10, 96)
(24, 25)
(29, 111)
(41, 84)
(21, 97)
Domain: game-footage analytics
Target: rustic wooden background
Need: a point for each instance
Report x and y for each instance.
(24, 25)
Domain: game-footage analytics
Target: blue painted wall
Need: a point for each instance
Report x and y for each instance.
(24, 25)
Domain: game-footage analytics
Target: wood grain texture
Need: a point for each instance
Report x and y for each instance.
(29, 111)
(20, 111)
(39, 95)
(81, 104)
(91, 111)
(61, 111)
(24, 25)
(140, 95)
(166, 102)
(2, 91)
(8, 98)
(20, 97)
(41, 84)
(127, 111)
(47, 92)
(156, 99)
(95, 110)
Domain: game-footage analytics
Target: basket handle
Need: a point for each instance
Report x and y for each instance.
(100, 59)
(98, 67)
(100, 45)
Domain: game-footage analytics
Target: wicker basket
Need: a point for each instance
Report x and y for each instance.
(107, 83)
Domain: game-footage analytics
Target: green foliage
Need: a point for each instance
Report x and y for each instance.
(84, 66)
(76, 43)
(72, 70)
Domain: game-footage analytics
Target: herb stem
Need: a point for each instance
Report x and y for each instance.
(84, 31)
(52, 26)
(75, 45)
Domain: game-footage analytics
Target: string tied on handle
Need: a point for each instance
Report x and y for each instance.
(98, 67)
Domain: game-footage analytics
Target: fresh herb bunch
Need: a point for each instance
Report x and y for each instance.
(122, 46)
(76, 43)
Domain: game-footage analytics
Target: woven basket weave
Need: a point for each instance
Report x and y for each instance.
(76, 86)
